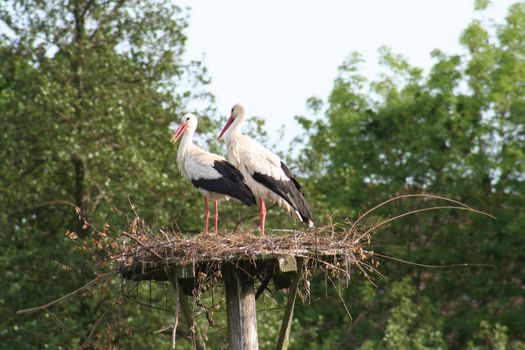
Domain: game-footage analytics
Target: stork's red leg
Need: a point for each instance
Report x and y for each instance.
(206, 214)
(263, 214)
(216, 218)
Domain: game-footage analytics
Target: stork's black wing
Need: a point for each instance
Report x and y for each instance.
(231, 183)
(290, 190)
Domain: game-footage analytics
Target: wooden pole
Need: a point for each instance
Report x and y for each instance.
(284, 334)
(182, 302)
(240, 304)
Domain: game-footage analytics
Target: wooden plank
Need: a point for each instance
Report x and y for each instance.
(287, 264)
(186, 276)
(285, 271)
(240, 305)
(185, 271)
(286, 325)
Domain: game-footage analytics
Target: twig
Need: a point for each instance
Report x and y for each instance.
(190, 319)
(341, 298)
(62, 323)
(175, 284)
(431, 266)
(419, 211)
(97, 280)
(425, 195)
(143, 245)
(263, 286)
(97, 323)
(176, 322)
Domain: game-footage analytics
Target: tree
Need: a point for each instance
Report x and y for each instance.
(458, 132)
(88, 90)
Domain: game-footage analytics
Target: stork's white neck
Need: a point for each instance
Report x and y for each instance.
(235, 128)
(187, 138)
(186, 143)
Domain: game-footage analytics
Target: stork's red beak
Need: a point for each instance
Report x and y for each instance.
(228, 123)
(178, 133)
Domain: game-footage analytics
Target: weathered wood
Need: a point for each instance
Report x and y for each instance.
(240, 304)
(186, 276)
(175, 284)
(285, 271)
(287, 264)
(185, 271)
(284, 334)
(187, 311)
(182, 301)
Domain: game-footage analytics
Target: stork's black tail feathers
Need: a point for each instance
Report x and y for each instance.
(291, 191)
(231, 183)
(301, 205)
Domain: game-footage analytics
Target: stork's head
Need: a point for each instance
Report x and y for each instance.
(237, 114)
(188, 121)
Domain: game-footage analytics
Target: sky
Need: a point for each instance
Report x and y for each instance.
(272, 55)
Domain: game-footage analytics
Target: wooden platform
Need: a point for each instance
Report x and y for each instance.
(240, 262)
(277, 269)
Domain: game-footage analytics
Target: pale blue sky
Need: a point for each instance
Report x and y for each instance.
(272, 55)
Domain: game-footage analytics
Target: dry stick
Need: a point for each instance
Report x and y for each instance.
(97, 323)
(143, 245)
(366, 275)
(430, 266)
(284, 334)
(81, 289)
(325, 263)
(175, 283)
(181, 300)
(271, 309)
(176, 323)
(270, 298)
(341, 298)
(188, 315)
(263, 286)
(63, 324)
(419, 211)
(372, 269)
(405, 196)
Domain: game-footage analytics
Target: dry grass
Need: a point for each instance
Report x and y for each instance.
(333, 248)
(227, 246)
(325, 247)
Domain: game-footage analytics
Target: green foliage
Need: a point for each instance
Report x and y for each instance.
(493, 337)
(480, 5)
(458, 132)
(88, 92)
(413, 323)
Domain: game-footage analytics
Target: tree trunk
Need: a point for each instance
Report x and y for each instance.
(77, 66)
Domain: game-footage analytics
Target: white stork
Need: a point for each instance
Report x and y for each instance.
(214, 176)
(264, 172)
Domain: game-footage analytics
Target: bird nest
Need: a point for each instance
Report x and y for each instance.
(141, 253)
(148, 256)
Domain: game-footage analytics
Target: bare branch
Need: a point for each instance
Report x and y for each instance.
(143, 245)
(423, 195)
(99, 279)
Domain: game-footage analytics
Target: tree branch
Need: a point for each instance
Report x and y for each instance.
(88, 285)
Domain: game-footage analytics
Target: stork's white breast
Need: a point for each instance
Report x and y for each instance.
(198, 164)
(250, 156)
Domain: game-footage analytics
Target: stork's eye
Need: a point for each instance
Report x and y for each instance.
(187, 119)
